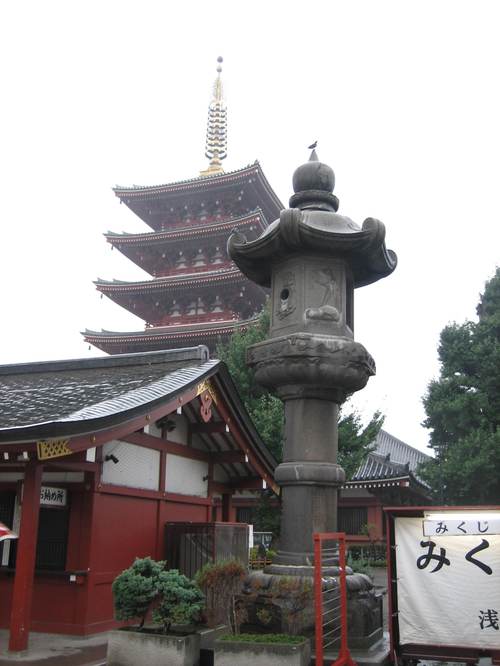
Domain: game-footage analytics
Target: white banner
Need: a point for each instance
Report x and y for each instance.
(448, 587)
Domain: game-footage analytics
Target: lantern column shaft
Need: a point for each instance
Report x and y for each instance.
(309, 478)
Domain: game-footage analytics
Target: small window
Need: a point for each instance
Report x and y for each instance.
(52, 539)
(245, 514)
(353, 520)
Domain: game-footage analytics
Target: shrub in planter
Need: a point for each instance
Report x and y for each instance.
(282, 639)
(181, 600)
(262, 650)
(172, 598)
(146, 585)
(136, 588)
(220, 582)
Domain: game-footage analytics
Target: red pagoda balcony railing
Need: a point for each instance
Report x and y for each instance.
(189, 270)
(190, 222)
(201, 318)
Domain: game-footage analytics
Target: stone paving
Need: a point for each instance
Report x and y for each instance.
(56, 650)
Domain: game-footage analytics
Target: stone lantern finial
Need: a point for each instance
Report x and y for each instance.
(313, 184)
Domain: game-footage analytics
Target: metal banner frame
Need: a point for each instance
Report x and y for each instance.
(330, 604)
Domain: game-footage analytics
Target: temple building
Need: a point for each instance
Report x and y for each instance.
(98, 456)
(196, 294)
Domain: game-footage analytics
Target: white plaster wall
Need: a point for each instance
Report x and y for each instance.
(185, 476)
(180, 432)
(137, 466)
(153, 430)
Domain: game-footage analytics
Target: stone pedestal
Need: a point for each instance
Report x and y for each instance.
(283, 603)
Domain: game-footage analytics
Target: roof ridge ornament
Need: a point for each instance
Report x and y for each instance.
(216, 142)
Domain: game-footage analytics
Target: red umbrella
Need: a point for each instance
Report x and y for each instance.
(6, 533)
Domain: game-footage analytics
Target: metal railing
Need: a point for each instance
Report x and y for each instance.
(330, 599)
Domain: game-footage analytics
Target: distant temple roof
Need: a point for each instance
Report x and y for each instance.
(398, 451)
(391, 463)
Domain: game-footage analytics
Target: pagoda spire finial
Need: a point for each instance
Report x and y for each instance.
(216, 143)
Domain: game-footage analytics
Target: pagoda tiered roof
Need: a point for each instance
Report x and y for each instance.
(153, 299)
(145, 201)
(165, 337)
(155, 251)
(175, 282)
(184, 233)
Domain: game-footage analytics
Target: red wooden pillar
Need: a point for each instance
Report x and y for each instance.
(226, 507)
(22, 596)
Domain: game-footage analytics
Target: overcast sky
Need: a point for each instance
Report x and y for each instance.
(403, 98)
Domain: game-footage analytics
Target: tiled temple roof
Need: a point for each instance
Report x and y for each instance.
(75, 390)
(96, 396)
(399, 452)
(391, 459)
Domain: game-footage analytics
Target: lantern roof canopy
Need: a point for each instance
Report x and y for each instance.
(312, 225)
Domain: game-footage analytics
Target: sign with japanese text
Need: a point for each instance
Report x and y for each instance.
(448, 581)
(53, 496)
(455, 527)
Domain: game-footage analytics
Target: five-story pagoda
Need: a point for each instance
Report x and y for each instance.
(196, 295)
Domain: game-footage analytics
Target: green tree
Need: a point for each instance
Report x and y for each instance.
(463, 408)
(355, 441)
(265, 409)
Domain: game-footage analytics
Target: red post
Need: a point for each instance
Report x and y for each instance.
(344, 656)
(318, 600)
(344, 650)
(20, 618)
(226, 507)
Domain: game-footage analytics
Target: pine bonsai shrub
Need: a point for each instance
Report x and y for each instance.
(181, 600)
(146, 585)
(136, 588)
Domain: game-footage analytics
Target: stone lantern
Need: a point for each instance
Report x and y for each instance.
(312, 259)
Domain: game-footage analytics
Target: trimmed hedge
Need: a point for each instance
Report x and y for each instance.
(264, 638)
